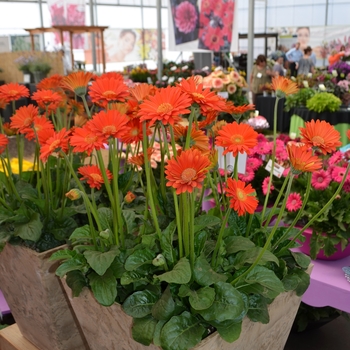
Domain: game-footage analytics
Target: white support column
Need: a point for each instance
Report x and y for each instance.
(250, 56)
(159, 37)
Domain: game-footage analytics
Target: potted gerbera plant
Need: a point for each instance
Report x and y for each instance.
(148, 253)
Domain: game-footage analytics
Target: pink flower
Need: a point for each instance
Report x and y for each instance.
(286, 172)
(186, 17)
(261, 137)
(346, 187)
(335, 158)
(217, 83)
(261, 148)
(320, 179)
(254, 163)
(338, 173)
(294, 202)
(248, 176)
(265, 184)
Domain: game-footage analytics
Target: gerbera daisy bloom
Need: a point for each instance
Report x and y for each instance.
(231, 88)
(213, 39)
(50, 83)
(320, 179)
(44, 135)
(108, 90)
(248, 176)
(218, 126)
(335, 158)
(302, 159)
(113, 75)
(187, 171)
(139, 159)
(38, 124)
(93, 175)
(254, 163)
(232, 109)
(141, 92)
(198, 138)
(210, 117)
(12, 92)
(57, 142)
(243, 197)
(3, 103)
(234, 76)
(109, 124)
(207, 82)
(46, 98)
(134, 132)
(338, 173)
(198, 79)
(77, 82)
(265, 185)
(85, 140)
(236, 138)
(294, 202)
(166, 106)
(217, 83)
(321, 135)
(205, 98)
(262, 148)
(76, 107)
(283, 86)
(24, 117)
(3, 142)
(8, 131)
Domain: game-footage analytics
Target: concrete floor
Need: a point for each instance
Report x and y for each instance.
(335, 335)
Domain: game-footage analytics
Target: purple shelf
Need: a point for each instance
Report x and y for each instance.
(4, 308)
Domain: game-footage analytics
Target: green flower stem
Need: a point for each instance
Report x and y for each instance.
(162, 163)
(185, 221)
(191, 222)
(91, 224)
(225, 170)
(190, 121)
(20, 152)
(274, 229)
(148, 177)
(86, 106)
(214, 259)
(178, 223)
(249, 225)
(276, 202)
(235, 170)
(66, 185)
(272, 157)
(225, 200)
(10, 184)
(325, 207)
(199, 206)
(54, 121)
(214, 191)
(113, 143)
(45, 185)
(59, 119)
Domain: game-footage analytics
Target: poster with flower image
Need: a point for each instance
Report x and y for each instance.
(185, 15)
(216, 23)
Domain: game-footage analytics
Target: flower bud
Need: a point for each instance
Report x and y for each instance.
(73, 194)
(105, 234)
(159, 260)
(129, 197)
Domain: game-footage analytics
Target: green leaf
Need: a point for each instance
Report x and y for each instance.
(202, 298)
(123, 180)
(258, 311)
(164, 308)
(237, 243)
(181, 332)
(106, 218)
(149, 240)
(204, 221)
(237, 223)
(76, 282)
(103, 287)
(101, 261)
(157, 332)
(290, 282)
(249, 256)
(63, 254)
(301, 259)
(138, 258)
(180, 274)
(131, 277)
(199, 242)
(129, 217)
(166, 243)
(304, 281)
(204, 274)
(81, 234)
(143, 329)
(140, 304)
(70, 265)
(228, 304)
(32, 230)
(231, 331)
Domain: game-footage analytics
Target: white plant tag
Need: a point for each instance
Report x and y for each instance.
(277, 169)
(223, 94)
(230, 161)
(149, 80)
(171, 80)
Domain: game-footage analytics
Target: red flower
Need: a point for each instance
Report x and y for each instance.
(77, 82)
(108, 90)
(93, 176)
(51, 83)
(213, 39)
(46, 98)
(133, 132)
(302, 159)
(3, 143)
(12, 92)
(38, 124)
(294, 202)
(57, 142)
(24, 117)
(85, 140)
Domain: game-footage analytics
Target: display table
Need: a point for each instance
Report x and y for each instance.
(340, 120)
(328, 286)
(12, 339)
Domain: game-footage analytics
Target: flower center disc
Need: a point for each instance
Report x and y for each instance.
(96, 177)
(13, 92)
(54, 145)
(197, 95)
(237, 139)
(109, 94)
(188, 174)
(164, 108)
(318, 140)
(90, 139)
(109, 129)
(241, 195)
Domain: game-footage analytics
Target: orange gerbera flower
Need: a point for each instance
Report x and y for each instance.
(3, 103)
(134, 132)
(283, 86)
(76, 107)
(108, 90)
(24, 117)
(8, 131)
(187, 171)
(85, 140)
(57, 142)
(12, 92)
(141, 92)
(46, 98)
(38, 124)
(232, 109)
(3, 142)
(51, 83)
(166, 106)
(243, 198)
(210, 117)
(320, 135)
(139, 159)
(77, 82)
(236, 138)
(93, 175)
(205, 98)
(109, 124)
(113, 75)
(302, 159)
(44, 135)
(199, 139)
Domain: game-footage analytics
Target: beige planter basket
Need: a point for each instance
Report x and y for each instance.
(109, 328)
(37, 301)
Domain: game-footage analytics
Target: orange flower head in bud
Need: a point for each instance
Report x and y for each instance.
(73, 194)
(129, 197)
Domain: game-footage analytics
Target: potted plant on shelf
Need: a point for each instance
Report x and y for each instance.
(179, 277)
(36, 218)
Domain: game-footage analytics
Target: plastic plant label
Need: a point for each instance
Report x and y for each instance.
(230, 161)
(149, 80)
(277, 169)
(171, 80)
(223, 94)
